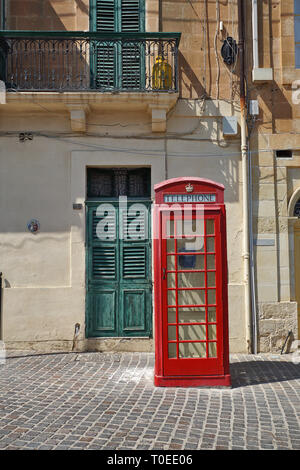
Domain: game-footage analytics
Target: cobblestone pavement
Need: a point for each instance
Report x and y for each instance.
(108, 401)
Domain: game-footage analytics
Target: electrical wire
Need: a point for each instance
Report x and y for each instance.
(152, 152)
(216, 51)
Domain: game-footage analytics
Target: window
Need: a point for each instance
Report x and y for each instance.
(284, 153)
(115, 182)
(117, 16)
(297, 209)
(297, 32)
(118, 65)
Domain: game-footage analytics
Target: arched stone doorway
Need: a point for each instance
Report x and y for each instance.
(294, 218)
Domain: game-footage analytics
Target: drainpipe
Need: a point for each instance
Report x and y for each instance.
(160, 23)
(253, 297)
(255, 34)
(2, 5)
(244, 153)
(252, 268)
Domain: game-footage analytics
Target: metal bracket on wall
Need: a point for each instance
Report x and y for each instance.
(23, 136)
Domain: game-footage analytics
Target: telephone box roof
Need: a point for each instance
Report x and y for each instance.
(188, 179)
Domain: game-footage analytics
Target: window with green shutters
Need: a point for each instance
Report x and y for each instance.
(120, 64)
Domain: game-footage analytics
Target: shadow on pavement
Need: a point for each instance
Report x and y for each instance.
(261, 372)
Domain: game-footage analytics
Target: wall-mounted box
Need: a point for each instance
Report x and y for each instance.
(262, 75)
(253, 108)
(230, 126)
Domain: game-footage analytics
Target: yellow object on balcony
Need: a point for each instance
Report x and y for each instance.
(161, 74)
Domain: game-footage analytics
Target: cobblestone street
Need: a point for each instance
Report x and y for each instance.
(108, 401)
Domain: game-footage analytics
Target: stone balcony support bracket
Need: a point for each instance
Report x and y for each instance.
(159, 117)
(78, 116)
(79, 105)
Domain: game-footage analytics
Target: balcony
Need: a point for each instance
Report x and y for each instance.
(80, 61)
(82, 64)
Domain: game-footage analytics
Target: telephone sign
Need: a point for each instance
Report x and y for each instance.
(200, 198)
(190, 266)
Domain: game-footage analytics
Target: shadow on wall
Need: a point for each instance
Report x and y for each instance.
(45, 15)
(217, 159)
(82, 6)
(192, 82)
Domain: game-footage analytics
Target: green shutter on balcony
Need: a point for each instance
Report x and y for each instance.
(105, 66)
(130, 16)
(131, 66)
(131, 13)
(105, 15)
(119, 65)
(118, 15)
(105, 21)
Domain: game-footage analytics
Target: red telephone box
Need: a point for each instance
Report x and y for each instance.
(190, 284)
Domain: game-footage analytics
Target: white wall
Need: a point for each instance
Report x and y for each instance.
(44, 274)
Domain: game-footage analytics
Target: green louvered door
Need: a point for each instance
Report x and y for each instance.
(118, 65)
(119, 271)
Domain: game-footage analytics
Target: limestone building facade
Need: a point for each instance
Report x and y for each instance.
(82, 108)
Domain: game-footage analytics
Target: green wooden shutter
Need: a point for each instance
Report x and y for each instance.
(103, 274)
(134, 262)
(131, 52)
(119, 272)
(119, 65)
(135, 271)
(104, 262)
(118, 15)
(130, 16)
(104, 252)
(105, 21)
(105, 16)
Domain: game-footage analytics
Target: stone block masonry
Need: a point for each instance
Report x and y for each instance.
(276, 319)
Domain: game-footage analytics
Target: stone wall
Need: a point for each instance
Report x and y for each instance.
(203, 72)
(274, 180)
(275, 322)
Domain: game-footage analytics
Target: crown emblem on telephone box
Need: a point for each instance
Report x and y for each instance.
(189, 188)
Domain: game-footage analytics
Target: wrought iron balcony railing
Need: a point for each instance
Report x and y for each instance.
(81, 61)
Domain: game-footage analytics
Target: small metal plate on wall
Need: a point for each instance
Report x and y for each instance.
(77, 207)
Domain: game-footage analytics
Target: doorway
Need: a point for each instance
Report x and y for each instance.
(118, 253)
(297, 268)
